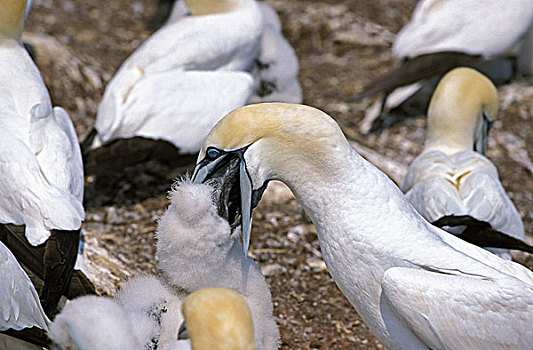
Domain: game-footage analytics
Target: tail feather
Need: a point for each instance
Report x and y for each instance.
(482, 234)
(418, 68)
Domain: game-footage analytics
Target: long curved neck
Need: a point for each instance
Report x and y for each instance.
(12, 19)
(363, 223)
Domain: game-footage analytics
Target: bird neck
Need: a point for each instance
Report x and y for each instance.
(12, 22)
(363, 224)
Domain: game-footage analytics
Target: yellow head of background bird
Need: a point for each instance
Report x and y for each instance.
(208, 7)
(463, 106)
(12, 18)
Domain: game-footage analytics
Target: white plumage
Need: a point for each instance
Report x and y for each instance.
(196, 249)
(449, 177)
(194, 70)
(42, 173)
(465, 26)
(414, 285)
(19, 302)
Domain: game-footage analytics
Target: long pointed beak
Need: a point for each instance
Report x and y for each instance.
(204, 168)
(182, 332)
(482, 135)
(246, 207)
(204, 171)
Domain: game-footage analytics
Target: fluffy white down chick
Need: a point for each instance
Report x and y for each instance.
(197, 249)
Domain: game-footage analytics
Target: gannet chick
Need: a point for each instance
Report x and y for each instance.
(218, 318)
(452, 176)
(413, 284)
(197, 249)
(41, 187)
(144, 314)
(442, 35)
(93, 322)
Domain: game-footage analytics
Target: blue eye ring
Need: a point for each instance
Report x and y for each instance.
(213, 153)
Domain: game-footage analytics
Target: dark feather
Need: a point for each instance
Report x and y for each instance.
(418, 68)
(121, 153)
(32, 335)
(482, 234)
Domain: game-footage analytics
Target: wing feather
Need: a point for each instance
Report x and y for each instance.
(461, 312)
(19, 302)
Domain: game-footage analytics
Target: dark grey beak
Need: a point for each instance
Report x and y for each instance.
(482, 134)
(182, 333)
(233, 187)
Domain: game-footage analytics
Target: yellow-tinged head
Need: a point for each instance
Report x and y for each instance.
(12, 19)
(272, 141)
(286, 137)
(218, 318)
(209, 7)
(462, 108)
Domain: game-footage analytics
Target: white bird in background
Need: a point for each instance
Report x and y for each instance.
(414, 285)
(444, 34)
(193, 71)
(41, 187)
(196, 249)
(452, 176)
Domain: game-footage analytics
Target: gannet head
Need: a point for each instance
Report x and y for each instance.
(461, 112)
(12, 22)
(218, 318)
(209, 7)
(270, 141)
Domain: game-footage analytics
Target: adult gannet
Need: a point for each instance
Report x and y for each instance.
(443, 34)
(414, 285)
(196, 249)
(41, 187)
(218, 318)
(452, 176)
(193, 71)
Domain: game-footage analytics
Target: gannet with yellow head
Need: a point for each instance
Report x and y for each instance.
(218, 318)
(452, 176)
(214, 57)
(415, 285)
(41, 187)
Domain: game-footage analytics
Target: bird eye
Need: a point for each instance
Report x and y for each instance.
(213, 153)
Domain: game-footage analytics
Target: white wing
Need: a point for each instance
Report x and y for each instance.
(215, 42)
(464, 26)
(465, 183)
(277, 72)
(26, 195)
(55, 142)
(460, 312)
(179, 106)
(19, 302)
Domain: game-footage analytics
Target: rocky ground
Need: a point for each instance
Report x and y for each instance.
(342, 46)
